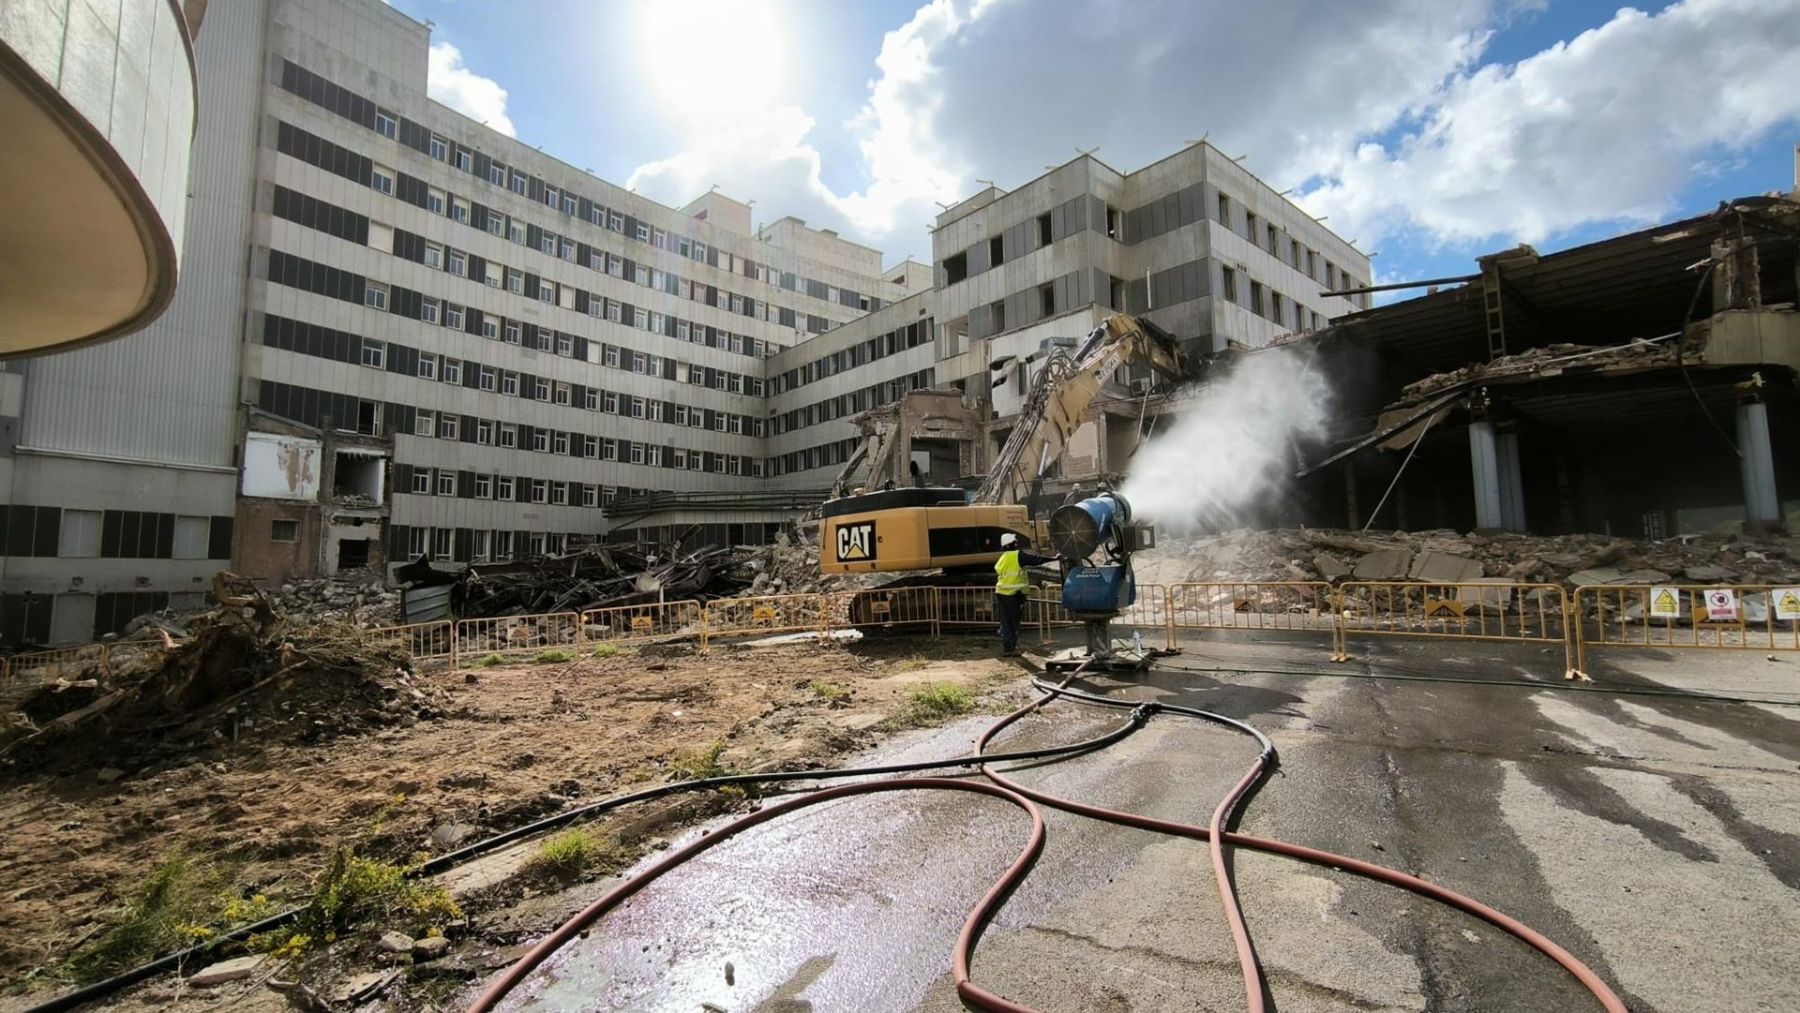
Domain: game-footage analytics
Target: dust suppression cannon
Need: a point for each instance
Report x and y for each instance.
(1095, 538)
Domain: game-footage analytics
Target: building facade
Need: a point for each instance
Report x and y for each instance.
(404, 333)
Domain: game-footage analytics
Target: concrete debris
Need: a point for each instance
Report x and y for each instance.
(394, 942)
(1550, 360)
(364, 986)
(430, 948)
(1318, 554)
(226, 971)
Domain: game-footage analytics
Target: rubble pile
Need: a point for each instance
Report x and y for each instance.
(1306, 554)
(244, 671)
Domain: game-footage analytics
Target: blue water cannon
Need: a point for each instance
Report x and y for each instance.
(1095, 538)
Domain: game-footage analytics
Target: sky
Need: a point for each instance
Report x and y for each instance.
(1427, 131)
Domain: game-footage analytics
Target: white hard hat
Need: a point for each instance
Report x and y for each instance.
(1008, 539)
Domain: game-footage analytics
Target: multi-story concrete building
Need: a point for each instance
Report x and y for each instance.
(404, 333)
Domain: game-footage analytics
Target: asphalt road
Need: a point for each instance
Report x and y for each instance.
(1656, 838)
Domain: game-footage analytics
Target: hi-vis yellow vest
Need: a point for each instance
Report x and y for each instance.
(1009, 576)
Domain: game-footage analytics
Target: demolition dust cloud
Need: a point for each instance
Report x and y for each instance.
(1233, 449)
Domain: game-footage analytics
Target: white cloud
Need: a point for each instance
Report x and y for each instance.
(1606, 127)
(465, 91)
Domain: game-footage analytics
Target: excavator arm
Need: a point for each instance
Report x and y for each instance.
(1061, 394)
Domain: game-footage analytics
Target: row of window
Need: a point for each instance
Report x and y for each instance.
(824, 455)
(479, 165)
(475, 545)
(873, 396)
(878, 347)
(111, 534)
(1265, 301)
(1292, 252)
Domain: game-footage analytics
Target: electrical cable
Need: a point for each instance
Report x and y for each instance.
(178, 959)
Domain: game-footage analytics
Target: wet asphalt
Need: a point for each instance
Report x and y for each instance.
(1656, 838)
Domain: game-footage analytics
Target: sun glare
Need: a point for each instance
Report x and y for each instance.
(705, 57)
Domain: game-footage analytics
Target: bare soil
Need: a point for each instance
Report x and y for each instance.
(509, 744)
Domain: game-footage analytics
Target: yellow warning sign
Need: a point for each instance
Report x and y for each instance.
(762, 615)
(1665, 603)
(1443, 608)
(1787, 602)
(641, 624)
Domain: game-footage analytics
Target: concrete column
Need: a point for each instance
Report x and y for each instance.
(1512, 490)
(1757, 464)
(1484, 458)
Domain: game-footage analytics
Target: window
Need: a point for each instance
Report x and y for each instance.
(565, 344)
(551, 197)
(1250, 222)
(637, 407)
(284, 531)
(496, 224)
(611, 403)
(1312, 266)
(609, 450)
(439, 150)
(615, 265)
(509, 435)
(1224, 211)
(496, 174)
(459, 212)
(80, 535)
(481, 545)
(615, 312)
(540, 440)
(428, 366)
(569, 204)
(453, 319)
(428, 310)
(484, 432)
(538, 544)
(518, 182)
(383, 180)
(1228, 284)
(597, 215)
(509, 383)
(1276, 309)
(504, 489)
(540, 388)
(1274, 243)
(446, 483)
(376, 295)
(1046, 300)
(547, 242)
(615, 221)
(440, 542)
(679, 459)
(590, 398)
(956, 268)
(637, 453)
(546, 292)
(515, 231)
(540, 493)
(459, 263)
(681, 330)
(568, 249)
(449, 426)
(643, 232)
(421, 483)
(515, 282)
(465, 160)
(485, 380)
(559, 493)
(386, 125)
(192, 535)
(611, 356)
(374, 354)
(640, 317)
(484, 487)
(415, 542)
(1256, 298)
(425, 423)
(434, 201)
(560, 393)
(434, 256)
(681, 414)
(590, 495)
(513, 332)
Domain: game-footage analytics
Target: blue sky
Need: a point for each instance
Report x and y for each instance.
(1427, 130)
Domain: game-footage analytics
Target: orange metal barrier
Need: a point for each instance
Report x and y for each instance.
(1250, 605)
(971, 606)
(1149, 612)
(25, 672)
(763, 615)
(651, 621)
(516, 634)
(424, 641)
(1679, 617)
(887, 608)
(1474, 610)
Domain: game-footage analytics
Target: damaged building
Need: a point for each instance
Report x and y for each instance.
(1639, 386)
(313, 503)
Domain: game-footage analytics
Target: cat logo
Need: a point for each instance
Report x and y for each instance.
(856, 542)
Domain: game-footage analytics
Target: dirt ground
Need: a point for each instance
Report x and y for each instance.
(514, 743)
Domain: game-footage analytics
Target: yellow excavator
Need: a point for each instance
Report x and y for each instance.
(927, 528)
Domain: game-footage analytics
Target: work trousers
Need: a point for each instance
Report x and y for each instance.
(1010, 608)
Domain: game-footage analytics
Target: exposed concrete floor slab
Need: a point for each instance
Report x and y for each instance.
(1657, 838)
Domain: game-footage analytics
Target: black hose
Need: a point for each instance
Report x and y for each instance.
(125, 979)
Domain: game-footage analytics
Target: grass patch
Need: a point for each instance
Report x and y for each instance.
(183, 902)
(699, 764)
(488, 661)
(935, 702)
(831, 692)
(553, 655)
(912, 664)
(355, 890)
(608, 651)
(568, 855)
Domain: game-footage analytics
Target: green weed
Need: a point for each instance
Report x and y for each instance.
(489, 661)
(567, 855)
(554, 655)
(935, 702)
(182, 902)
(830, 692)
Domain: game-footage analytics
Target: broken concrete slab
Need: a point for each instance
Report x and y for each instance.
(430, 947)
(1443, 568)
(449, 835)
(363, 986)
(395, 942)
(1487, 592)
(1330, 567)
(1707, 574)
(1387, 564)
(107, 775)
(225, 971)
(1597, 576)
(1647, 576)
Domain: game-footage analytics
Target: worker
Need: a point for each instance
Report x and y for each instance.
(1011, 584)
